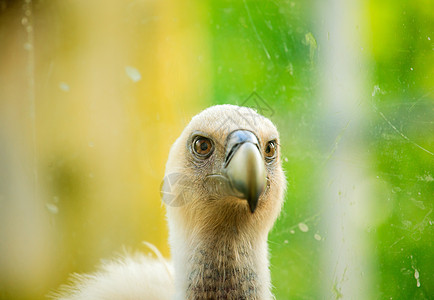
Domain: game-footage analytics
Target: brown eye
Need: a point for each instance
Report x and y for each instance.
(270, 150)
(202, 146)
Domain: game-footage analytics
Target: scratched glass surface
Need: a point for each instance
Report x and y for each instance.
(92, 96)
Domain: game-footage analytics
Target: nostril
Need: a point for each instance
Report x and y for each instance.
(231, 153)
(235, 139)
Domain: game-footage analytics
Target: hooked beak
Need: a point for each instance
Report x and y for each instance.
(244, 167)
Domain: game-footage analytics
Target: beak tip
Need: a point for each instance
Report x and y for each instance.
(253, 203)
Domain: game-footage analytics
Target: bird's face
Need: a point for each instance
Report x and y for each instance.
(225, 168)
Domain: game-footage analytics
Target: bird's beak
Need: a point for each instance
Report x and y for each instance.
(244, 167)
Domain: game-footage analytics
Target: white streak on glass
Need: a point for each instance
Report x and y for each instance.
(133, 73)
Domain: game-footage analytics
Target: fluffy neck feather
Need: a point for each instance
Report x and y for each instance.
(227, 265)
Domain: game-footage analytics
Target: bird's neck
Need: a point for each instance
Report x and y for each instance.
(223, 268)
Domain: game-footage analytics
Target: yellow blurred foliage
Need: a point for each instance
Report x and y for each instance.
(92, 96)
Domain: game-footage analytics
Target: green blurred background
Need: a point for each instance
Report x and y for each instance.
(93, 93)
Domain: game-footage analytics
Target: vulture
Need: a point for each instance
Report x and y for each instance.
(223, 190)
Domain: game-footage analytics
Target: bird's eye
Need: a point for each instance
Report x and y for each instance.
(270, 150)
(202, 146)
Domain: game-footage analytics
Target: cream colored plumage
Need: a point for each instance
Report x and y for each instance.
(228, 193)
